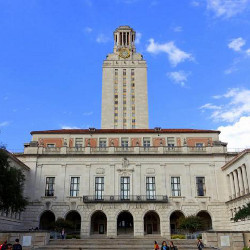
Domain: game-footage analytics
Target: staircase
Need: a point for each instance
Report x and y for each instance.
(124, 243)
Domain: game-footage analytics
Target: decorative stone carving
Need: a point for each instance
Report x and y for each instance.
(150, 171)
(100, 171)
(125, 162)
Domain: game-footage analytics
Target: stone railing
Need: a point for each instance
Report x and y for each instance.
(126, 150)
(127, 199)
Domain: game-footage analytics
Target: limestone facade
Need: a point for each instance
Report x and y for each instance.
(92, 159)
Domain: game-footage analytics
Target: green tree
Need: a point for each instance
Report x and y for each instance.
(243, 213)
(61, 223)
(191, 223)
(11, 185)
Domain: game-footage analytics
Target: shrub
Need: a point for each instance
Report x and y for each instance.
(178, 236)
(199, 237)
(243, 213)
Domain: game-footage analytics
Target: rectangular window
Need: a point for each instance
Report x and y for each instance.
(200, 185)
(199, 145)
(74, 186)
(50, 184)
(79, 142)
(150, 188)
(124, 142)
(175, 186)
(102, 142)
(170, 141)
(99, 188)
(146, 142)
(125, 188)
(50, 145)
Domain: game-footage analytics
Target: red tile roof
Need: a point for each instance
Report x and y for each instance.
(122, 131)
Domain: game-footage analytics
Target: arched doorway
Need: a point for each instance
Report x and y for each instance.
(125, 223)
(98, 223)
(152, 223)
(206, 219)
(47, 220)
(174, 221)
(75, 218)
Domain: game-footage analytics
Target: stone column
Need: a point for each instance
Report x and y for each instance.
(232, 185)
(244, 175)
(236, 184)
(240, 181)
(138, 228)
(85, 223)
(111, 227)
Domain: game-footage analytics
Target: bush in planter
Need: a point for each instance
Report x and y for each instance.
(178, 236)
(199, 237)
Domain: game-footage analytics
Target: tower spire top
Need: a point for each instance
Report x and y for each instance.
(124, 37)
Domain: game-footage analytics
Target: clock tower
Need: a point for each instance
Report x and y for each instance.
(124, 84)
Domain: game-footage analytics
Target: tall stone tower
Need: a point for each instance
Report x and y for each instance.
(124, 84)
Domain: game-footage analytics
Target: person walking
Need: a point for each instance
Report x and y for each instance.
(164, 246)
(200, 245)
(4, 246)
(172, 246)
(156, 246)
(17, 245)
(9, 246)
(63, 234)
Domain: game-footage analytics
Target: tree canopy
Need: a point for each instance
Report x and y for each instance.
(11, 186)
(243, 213)
(191, 223)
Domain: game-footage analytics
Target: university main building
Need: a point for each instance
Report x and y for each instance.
(126, 178)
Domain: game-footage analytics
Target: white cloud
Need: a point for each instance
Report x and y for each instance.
(69, 127)
(175, 55)
(138, 37)
(195, 3)
(248, 52)
(237, 104)
(237, 135)
(210, 106)
(88, 113)
(236, 44)
(4, 124)
(88, 29)
(227, 8)
(179, 77)
(177, 29)
(101, 38)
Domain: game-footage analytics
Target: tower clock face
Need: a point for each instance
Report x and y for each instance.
(124, 53)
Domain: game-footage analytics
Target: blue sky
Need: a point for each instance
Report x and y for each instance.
(51, 54)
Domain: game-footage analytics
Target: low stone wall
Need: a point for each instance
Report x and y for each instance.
(226, 240)
(37, 239)
(10, 224)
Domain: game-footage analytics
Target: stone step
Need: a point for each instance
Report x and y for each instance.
(114, 244)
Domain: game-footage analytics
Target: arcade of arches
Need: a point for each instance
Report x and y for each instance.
(151, 223)
(125, 222)
(98, 223)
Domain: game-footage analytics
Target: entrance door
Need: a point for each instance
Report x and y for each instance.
(125, 224)
(101, 229)
(149, 229)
